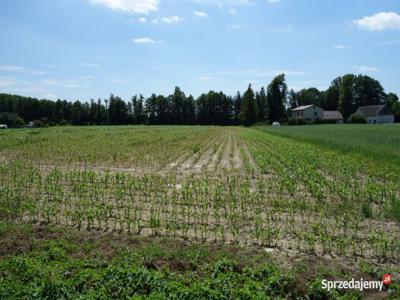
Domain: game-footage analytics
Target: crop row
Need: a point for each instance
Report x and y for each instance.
(215, 207)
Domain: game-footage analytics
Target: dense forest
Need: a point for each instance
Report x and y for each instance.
(274, 103)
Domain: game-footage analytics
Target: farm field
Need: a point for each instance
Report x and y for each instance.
(275, 191)
(378, 142)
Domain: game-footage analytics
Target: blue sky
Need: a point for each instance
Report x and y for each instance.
(82, 49)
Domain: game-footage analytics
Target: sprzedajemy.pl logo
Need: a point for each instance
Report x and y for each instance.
(360, 285)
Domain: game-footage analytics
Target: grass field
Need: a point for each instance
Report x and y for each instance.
(380, 142)
(289, 196)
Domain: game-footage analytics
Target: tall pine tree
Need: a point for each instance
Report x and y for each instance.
(249, 108)
(276, 97)
(346, 95)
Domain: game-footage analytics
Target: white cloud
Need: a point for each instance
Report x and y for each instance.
(237, 26)
(145, 40)
(341, 46)
(50, 96)
(284, 29)
(39, 87)
(232, 11)
(85, 77)
(129, 6)
(221, 3)
(12, 85)
(50, 82)
(22, 87)
(301, 86)
(277, 72)
(88, 65)
(204, 78)
(380, 21)
(366, 69)
(200, 14)
(118, 80)
(74, 84)
(19, 69)
(6, 82)
(171, 20)
(390, 43)
(11, 68)
(252, 82)
(254, 73)
(274, 1)
(142, 20)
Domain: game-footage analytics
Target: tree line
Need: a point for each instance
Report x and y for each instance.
(270, 104)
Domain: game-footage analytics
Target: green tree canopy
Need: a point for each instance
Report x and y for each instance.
(276, 97)
(346, 96)
(249, 110)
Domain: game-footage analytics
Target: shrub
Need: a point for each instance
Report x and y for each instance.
(38, 123)
(19, 122)
(8, 118)
(63, 122)
(296, 122)
(356, 119)
(366, 208)
(393, 209)
(315, 291)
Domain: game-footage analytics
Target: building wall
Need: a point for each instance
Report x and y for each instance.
(313, 113)
(297, 114)
(309, 114)
(380, 119)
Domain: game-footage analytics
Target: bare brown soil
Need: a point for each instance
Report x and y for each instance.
(252, 162)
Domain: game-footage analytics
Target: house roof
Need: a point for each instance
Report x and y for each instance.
(332, 115)
(302, 107)
(374, 110)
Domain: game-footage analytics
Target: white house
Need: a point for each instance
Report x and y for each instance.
(308, 113)
(376, 114)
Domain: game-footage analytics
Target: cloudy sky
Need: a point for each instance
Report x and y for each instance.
(82, 49)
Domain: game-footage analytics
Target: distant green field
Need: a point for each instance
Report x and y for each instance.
(381, 142)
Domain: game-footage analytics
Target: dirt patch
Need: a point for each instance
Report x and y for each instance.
(180, 160)
(249, 156)
(181, 265)
(216, 156)
(237, 158)
(205, 158)
(188, 164)
(225, 162)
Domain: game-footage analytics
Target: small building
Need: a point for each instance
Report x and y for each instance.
(376, 114)
(333, 116)
(3, 126)
(308, 113)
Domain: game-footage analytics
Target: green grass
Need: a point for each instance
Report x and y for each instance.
(380, 142)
